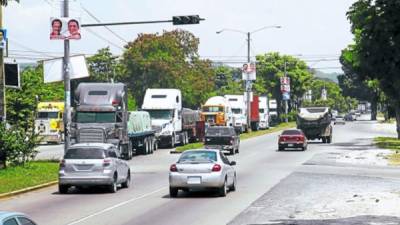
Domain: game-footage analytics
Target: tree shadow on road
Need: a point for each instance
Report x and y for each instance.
(358, 220)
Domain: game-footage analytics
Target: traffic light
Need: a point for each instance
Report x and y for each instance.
(184, 20)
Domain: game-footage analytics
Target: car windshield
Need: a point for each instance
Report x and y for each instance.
(291, 132)
(218, 131)
(47, 115)
(95, 117)
(84, 153)
(198, 156)
(213, 109)
(161, 114)
(237, 111)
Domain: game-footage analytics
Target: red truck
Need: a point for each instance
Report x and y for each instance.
(255, 114)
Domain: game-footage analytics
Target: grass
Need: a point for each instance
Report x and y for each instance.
(32, 174)
(392, 144)
(243, 136)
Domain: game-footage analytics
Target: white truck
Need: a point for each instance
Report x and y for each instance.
(165, 108)
(273, 112)
(264, 112)
(238, 107)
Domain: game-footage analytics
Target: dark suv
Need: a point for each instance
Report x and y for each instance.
(223, 138)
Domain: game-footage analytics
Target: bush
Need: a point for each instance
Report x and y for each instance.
(291, 116)
(17, 145)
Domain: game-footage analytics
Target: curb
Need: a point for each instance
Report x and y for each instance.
(14, 193)
(174, 152)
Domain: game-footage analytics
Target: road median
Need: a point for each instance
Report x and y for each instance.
(390, 143)
(34, 175)
(243, 136)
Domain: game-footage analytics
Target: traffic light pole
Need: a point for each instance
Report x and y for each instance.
(67, 84)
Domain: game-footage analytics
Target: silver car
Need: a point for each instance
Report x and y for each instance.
(15, 218)
(93, 164)
(202, 169)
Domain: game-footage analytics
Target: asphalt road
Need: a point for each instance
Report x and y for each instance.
(260, 167)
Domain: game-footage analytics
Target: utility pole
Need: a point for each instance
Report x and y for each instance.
(286, 100)
(67, 84)
(2, 76)
(248, 85)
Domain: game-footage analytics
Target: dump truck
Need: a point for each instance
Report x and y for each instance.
(49, 122)
(101, 116)
(315, 122)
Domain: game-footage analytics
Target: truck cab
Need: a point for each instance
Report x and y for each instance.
(217, 112)
(264, 112)
(101, 115)
(49, 122)
(165, 109)
(238, 107)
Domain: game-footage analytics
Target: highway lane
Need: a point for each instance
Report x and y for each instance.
(260, 167)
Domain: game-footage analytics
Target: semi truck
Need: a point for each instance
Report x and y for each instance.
(101, 116)
(238, 107)
(255, 113)
(273, 112)
(190, 125)
(315, 122)
(264, 112)
(217, 112)
(49, 122)
(165, 108)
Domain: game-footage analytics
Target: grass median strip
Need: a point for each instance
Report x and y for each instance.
(32, 174)
(243, 136)
(392, 144)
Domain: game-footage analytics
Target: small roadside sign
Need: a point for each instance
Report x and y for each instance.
(249, 71)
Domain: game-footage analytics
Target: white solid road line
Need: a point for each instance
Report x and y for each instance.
(115, 206)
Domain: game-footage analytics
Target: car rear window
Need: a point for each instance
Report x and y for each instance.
(198, 156)
(84, 153)
(291, 132)
(219, 131)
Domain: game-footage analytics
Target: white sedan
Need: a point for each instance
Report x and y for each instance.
(202, 169)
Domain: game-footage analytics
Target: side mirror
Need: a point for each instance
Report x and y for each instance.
(233, 163)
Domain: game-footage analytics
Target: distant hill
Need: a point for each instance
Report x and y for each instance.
(327, 76)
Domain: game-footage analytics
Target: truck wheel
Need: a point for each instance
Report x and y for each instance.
(172, 145)
(323, 139)
(147, 150)
(329, 139)
(155, 145)
(151, 145)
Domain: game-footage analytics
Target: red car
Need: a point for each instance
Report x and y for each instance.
(293, 138)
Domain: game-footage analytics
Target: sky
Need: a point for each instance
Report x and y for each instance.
(313, 30)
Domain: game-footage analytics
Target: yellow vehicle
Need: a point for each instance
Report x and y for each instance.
(217, 112)
(49, 122)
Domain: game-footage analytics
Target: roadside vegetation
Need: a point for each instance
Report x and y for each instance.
(392, 144)
(243, 136)
(29, 175)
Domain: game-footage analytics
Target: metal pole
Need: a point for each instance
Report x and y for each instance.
(286, 101)
(248, 84)
(2, 75)
(67, 85)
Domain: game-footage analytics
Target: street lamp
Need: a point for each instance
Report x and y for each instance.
(248, 81)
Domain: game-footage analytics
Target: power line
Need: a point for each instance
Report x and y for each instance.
(98, 20)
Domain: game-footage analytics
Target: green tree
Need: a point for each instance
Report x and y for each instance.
(226, 83)
(354, 86)
(271, 67)
(375, 25)
(169, 60)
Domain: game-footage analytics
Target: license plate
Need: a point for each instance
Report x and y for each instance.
(194, 180)
(290, 145)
